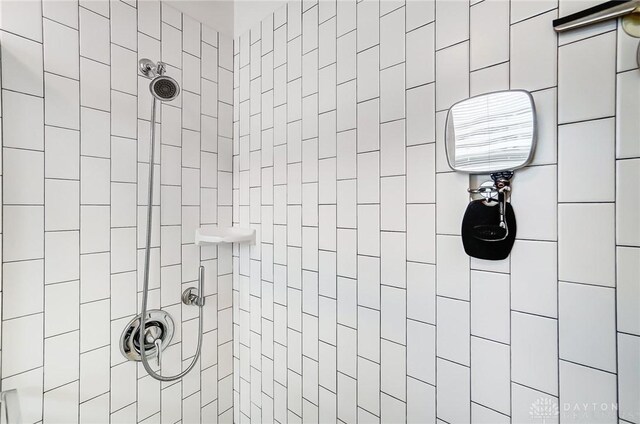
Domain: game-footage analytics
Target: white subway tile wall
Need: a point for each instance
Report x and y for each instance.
(75, 154)
(358, 303)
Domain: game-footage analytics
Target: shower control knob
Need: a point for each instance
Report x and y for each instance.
(191, 297)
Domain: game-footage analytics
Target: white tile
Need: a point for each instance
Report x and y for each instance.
(392, 38)
(488, 80)
(534, 287)
(421, 115)
(346, 15)
(94, 229)
(23, 121)
(62, 153)
(122, 60)
(392, 148)
(368, 385)
(421, 292)
(62, 199)
(586, 253)
(191, 35)
(123, 160)
(98, 6)
(346, 107)
(627, 202)
(490, 374)
(61, 359)
(346, 404)
(393, 369)
(628, 293)
(583, 385)
(65, 12)
(454, 392)
(61, 49)
(369, 230)
(149, 18)
(346, 57)
(94, 85)
(368, 126)
(392, 204)
(23, 177)
(95, 133)
(94, 373)
(29, 385)
(420, 51)
(327, 42)
(23, 288)
(546, 145)
(534, 60)
(482, 415)
(94, 325)
(23, 228)
(453, 330)
(536, 214)
(489, 33)
(421, 233)
(628, 383)
(452, 70)
(421, 351)
(94, 277)
(123, 244)
(393, 259)
(368, 24)
(534, 352)
(171, 45)
(421, 183)
(522, 398)
(60, 314)
(526, 9)
(97, 410)
(22, 344)
(490, 306)
(60, 404)
(579, 96)
(347, 300)
(453, 267)
(21, 64)
(123, 113)
(62, 103)
(586, 316)
(94, 185)
(421, 402)
(368, 74)
(452, 22)
(191, 73)
(392, 93)
(627, 105)
(586, 174)
(94, 36)
(22, 19)
(393, 310)
(123, 387)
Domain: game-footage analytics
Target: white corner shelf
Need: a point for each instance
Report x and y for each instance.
(217, 235)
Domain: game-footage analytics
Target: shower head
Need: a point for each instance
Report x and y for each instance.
(164, 88)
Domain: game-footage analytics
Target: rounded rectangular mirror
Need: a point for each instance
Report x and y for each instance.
(492, 132)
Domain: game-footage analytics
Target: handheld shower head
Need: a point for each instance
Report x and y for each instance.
(164, 88)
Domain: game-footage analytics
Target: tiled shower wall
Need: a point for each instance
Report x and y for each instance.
(75, 136)
(358, 303)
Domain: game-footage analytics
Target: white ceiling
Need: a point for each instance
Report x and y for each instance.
(230, 17)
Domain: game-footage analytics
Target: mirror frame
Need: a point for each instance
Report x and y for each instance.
(534, 135)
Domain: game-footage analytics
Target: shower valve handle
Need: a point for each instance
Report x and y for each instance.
(158, 345)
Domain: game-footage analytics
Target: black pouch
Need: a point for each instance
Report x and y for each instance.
(482, 236)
